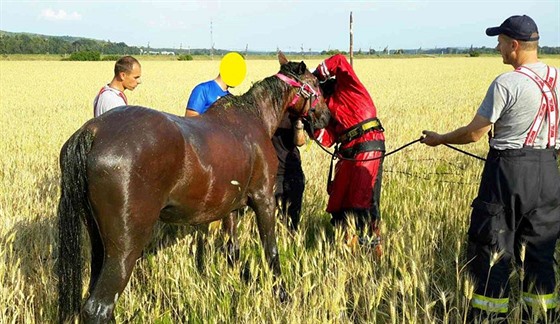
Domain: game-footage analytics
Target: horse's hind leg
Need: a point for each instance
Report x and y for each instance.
(97, 253)
(229, 226)
(124, 238)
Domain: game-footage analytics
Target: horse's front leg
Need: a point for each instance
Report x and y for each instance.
(202, 232)
(229, 226)
(264, 206)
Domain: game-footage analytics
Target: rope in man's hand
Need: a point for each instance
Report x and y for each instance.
(432, 143)
(338, 156)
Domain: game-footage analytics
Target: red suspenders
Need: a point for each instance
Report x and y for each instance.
(103, 89)
(548, 107)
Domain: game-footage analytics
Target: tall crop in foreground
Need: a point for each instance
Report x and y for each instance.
(425, 205)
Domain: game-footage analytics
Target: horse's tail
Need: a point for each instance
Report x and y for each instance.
(72, 208)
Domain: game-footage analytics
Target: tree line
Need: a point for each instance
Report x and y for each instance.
(29, 44)
(20, 43)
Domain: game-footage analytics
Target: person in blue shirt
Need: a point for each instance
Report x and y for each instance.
(205, 94)
(232, 73)
(288, 137)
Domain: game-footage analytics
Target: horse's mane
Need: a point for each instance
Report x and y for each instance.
(267, 88)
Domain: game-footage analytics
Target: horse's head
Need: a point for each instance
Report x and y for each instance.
(307, 100)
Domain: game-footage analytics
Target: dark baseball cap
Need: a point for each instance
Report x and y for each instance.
(521, 28)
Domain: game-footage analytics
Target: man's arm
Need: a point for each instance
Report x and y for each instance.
(191, 113)
(462, 135)
(299, 133)
(196, 102)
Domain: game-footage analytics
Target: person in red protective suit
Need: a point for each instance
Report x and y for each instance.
(358, 135)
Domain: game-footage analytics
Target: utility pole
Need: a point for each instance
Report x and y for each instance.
(351, 42)
(211, 42)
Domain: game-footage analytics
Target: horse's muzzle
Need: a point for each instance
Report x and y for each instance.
(321, 118)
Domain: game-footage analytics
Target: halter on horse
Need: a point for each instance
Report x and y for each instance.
(132, 166)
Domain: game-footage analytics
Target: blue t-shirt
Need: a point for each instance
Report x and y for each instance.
(204, 95)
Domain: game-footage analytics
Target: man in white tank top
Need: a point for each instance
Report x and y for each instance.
(518, 204)
(127, 76)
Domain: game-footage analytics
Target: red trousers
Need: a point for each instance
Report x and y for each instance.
(356, 185)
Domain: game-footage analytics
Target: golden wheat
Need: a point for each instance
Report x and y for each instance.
(425, 204)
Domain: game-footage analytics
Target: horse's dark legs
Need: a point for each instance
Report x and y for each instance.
(229, 226)
(264, 209)
(97, 253)
(123, 246)
(201, 241)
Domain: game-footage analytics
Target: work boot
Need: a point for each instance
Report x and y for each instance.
(373, 239)
(351, 240)
(371, 242)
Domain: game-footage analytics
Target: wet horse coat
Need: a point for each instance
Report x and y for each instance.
(133, 166)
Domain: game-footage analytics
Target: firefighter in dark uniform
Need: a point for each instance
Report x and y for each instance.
(290, 180)
(516, 215)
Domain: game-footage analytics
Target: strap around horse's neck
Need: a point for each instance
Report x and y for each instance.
(289, 81)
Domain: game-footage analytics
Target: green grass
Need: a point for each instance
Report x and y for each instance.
(425, 205)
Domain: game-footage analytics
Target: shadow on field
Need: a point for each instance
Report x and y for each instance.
(33, 247)
(166, 235)
(314, 232)
(29, 261)
(30, 246)
(34, 243)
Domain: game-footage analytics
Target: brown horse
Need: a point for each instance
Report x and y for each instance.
(132, 166)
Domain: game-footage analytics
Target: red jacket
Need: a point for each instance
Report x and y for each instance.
(350, 104)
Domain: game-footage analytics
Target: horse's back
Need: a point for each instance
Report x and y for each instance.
(224, 155)
(193, 170)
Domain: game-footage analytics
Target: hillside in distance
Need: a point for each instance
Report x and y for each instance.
(31, 43)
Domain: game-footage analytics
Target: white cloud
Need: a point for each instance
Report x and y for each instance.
(52, 15)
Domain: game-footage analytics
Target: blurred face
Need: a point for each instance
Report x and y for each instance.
(132, 79)
(506, 48)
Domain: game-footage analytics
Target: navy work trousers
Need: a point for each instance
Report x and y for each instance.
(518, 203)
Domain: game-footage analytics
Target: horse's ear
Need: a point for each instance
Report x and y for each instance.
(282, 58)
(301, 68)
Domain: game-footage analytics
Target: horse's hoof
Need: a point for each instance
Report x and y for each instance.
(245, 273)
(282, 294)
(232, 256)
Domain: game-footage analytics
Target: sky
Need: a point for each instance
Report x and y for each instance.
(264, 25)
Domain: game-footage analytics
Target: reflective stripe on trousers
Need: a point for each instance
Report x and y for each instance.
(489, 304)
(548, 301)
(500, 305)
